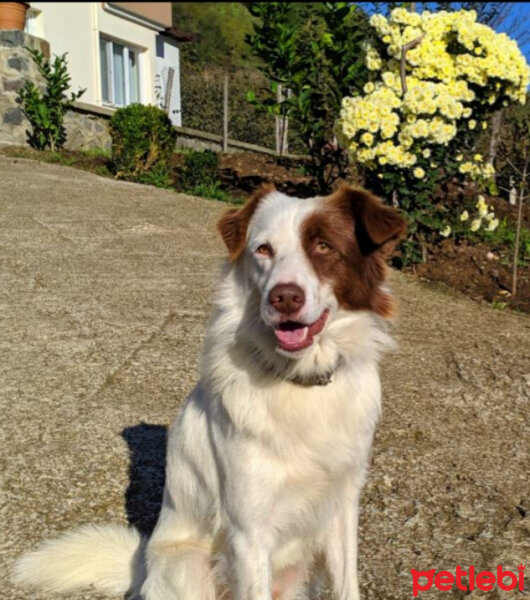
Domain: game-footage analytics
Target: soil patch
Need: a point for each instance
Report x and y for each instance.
(483, 271)
(478, 272)
(245, 171)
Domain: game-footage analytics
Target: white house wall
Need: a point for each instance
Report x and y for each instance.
(64, 26)
(168, 57)
(75, 27)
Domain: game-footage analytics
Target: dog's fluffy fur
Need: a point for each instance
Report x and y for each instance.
(267, 456)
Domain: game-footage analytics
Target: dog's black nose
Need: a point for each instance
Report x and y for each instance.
(287, 298)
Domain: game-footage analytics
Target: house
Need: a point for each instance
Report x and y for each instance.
(120, 52)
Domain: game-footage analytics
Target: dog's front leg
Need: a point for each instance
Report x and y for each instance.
(341, 545)
(250, 566)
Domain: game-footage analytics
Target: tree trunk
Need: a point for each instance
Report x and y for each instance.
(518, 231)
(225, 114)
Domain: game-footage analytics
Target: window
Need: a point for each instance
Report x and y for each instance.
(120, 77)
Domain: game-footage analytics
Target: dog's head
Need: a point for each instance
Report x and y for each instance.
(312, 259)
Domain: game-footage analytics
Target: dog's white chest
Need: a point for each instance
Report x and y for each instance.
(294, 450)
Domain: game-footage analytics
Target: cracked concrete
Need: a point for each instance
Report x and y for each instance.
(105, 289)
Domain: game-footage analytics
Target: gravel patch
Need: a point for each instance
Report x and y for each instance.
(105, 288)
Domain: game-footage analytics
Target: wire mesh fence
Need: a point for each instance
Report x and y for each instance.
(202, 97)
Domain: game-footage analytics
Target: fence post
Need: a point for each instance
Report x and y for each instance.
(282, 123)
(277, 121)
(225, 114)
(285, 127)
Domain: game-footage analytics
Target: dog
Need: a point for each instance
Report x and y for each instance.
(268, 455)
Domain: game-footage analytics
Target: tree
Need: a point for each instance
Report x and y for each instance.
(515, 165)
(220, 29)
(315, 50)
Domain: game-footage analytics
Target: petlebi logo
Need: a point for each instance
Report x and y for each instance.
(505, 580)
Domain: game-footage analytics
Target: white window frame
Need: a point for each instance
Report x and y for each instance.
(33, 25)
(110, 71)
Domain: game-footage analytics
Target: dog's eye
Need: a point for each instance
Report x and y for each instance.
(264, 250)
(323, 247)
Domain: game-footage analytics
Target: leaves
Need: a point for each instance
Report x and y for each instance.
(143, 140)
(45, 109)
(315, 51)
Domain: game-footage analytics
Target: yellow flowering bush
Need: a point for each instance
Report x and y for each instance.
(457, 72)
(457, 69)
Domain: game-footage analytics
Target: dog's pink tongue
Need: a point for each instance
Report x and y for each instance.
(291, 337)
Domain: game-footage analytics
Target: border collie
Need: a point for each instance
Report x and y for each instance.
(268, 455)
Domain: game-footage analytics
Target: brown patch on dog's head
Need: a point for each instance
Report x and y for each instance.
(233, 224)
(348, 241)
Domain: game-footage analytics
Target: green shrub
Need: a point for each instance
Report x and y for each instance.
(143, 140)
(159, 176)
(315, 50)
(199, 176)
(45, 108)
(504, 236)
(211, 190)
(200, 168)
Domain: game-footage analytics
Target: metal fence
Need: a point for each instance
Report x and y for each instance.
(214, 103)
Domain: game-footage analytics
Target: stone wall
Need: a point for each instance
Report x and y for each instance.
(86, 127)
(16, 66)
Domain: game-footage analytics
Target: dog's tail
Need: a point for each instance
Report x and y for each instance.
(109, 557)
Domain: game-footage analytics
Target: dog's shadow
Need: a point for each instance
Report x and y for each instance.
(143, 498)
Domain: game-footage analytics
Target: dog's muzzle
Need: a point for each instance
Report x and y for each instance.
(293, 336)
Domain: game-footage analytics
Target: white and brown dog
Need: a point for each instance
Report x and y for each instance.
(267, 456)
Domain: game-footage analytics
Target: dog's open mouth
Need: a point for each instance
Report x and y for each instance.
(293, 336)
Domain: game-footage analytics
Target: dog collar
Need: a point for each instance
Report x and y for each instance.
(309, 380)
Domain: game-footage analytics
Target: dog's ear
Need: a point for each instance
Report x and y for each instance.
(233, 224)
(377, 229)
(377, 226)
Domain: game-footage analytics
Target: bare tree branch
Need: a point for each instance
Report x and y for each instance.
(514, 167)
(404, 50)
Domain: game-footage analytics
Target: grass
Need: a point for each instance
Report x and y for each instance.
(214, 191)
(62, 156)
(499, 305)
(97, 160)
(94, 160)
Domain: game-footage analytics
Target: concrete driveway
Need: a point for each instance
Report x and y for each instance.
(105, 287)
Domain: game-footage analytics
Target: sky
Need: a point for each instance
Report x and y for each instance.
(517, 25)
